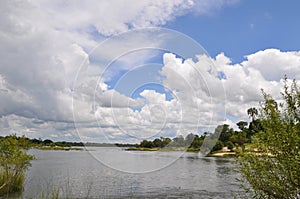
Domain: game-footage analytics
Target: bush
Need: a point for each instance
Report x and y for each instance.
(15, 186)
(219, 145)
(230, 145)
(146, 144)
(273, 169)
(13, 163)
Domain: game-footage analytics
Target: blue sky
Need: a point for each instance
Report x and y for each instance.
(244, 28)
(135, 67)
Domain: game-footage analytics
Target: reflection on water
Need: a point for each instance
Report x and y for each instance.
(79, 174)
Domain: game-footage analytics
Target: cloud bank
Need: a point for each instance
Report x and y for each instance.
(43, 43)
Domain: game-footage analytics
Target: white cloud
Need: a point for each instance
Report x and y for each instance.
(43, 43)
(209, 7)
(273, 64)
(243, 82)
(111, 17)
(114, 16)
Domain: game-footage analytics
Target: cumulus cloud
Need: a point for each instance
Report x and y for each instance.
(273, 63)
(116, 16)
(201, 99)
(44, 43)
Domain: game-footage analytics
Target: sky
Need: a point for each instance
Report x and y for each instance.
(124, 71)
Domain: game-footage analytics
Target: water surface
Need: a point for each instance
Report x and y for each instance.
(78, 174)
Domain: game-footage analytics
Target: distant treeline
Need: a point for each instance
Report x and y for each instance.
(223, 135)
(48, 142)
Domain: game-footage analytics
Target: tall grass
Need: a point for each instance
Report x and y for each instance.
(55, 194)
(62, 192)
(14, 186)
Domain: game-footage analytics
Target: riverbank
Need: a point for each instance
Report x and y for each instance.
(59, 148)
(224, 152)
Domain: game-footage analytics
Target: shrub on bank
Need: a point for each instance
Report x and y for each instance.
(13, 162)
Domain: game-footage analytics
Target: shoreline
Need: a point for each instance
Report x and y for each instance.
(58, 148)
(221, 153)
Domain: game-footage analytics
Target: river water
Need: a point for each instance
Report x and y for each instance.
(116, 173)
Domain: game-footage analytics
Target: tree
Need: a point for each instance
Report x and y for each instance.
(219, 145)
(274, 171)
(179, 141)
(47, 142)
(189, 139)
(230, 145)
(242, 125)
(13, 163)
(254, 127)
(240, 139)
(36, 141)
(147, 144)
(197, 142)
(224, 132)
(158, 143)
(252, 112)
(165, 141)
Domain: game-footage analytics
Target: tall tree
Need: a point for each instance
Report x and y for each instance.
(242, 125)
(224, 132)
(252, 112)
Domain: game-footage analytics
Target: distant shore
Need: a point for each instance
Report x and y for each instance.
(224, 152)
(59, 148)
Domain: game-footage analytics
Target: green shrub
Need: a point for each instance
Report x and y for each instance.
(15, 186)
(13, 163)
(219, 145)
(230, 145)
(273, 170)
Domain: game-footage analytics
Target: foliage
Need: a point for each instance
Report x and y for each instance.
(219, 145)
(252, 112)
(178, 141)
(225, 132)
(242, 125)
(254, 127)
(229, 145)
(146, 144)
(239, 138)
(191, 141)
(47, 142)
(14, 187)
(162, 142)
(197, 142)
(13, 163)
(223, 135)
(274, 170)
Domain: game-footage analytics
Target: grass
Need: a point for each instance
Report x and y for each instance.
(53, 195)
(57, 192)
(15, 186)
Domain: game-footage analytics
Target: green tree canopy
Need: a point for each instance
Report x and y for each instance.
(224, 132)
(252, 112)
(242, 125)
(273, 166)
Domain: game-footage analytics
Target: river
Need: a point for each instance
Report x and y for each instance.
(116, 173)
